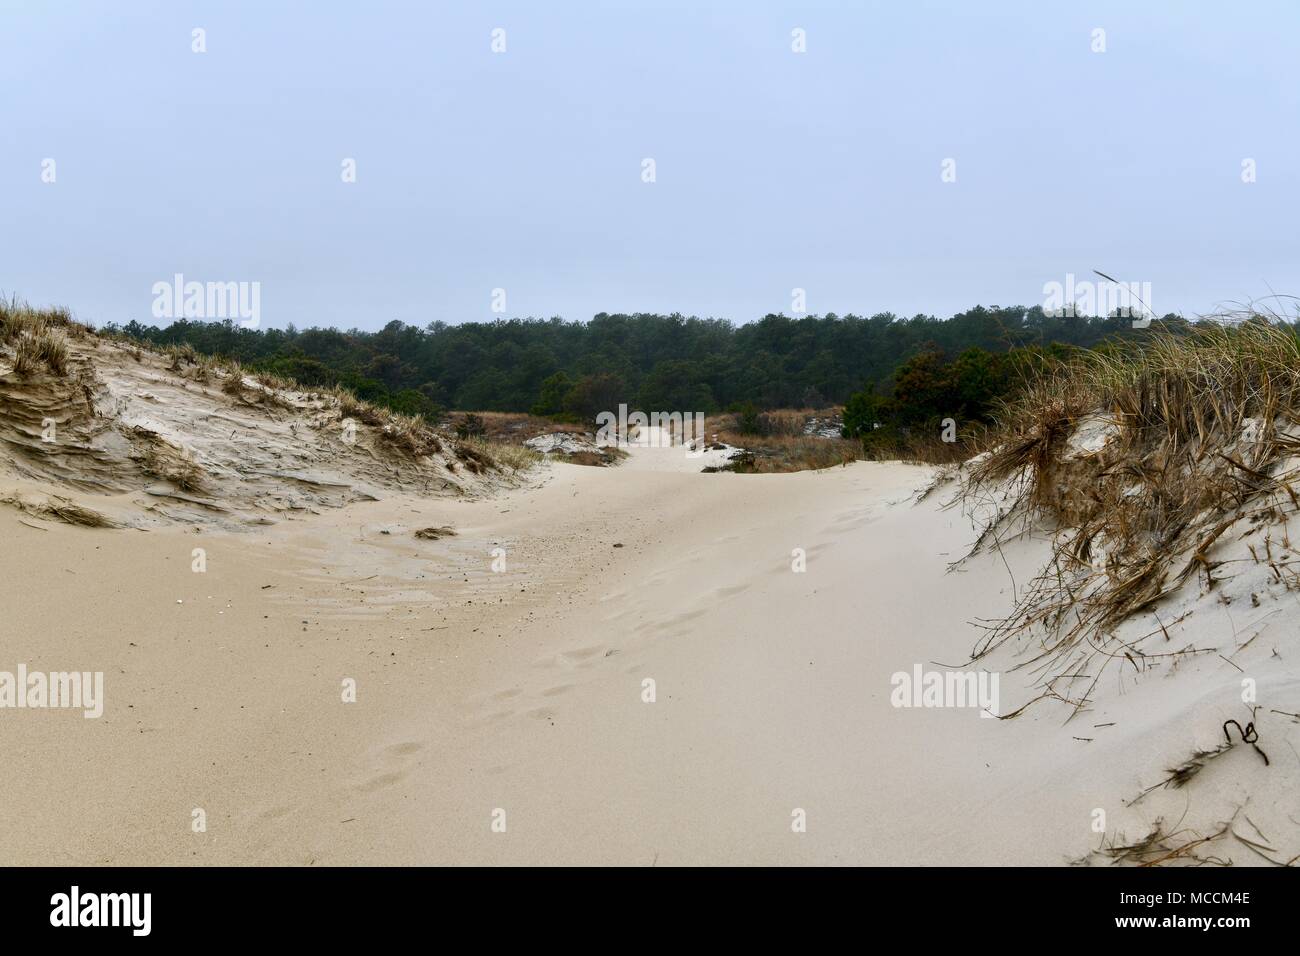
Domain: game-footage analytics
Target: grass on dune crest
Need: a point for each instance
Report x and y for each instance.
(1140, 457)
(46, 346)
(39, 337)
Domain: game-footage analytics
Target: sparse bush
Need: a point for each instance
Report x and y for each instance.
(470, 426)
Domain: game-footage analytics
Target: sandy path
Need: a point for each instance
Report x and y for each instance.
(522, 690)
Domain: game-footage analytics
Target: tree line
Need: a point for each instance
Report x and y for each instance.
(651, 362)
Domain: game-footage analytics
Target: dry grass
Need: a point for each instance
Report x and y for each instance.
(514, 458)
(776, 454)
(1162, 847)
(1191, 435)
(499, 437)
(474, 457)
(60, 509)
(39, 337)
(605, 457)
(276, 383)
(233, 383)
(506, 427)
(352, 407)
(788, 422)
(433, 534)
(17, 323)
(930, 449)
(409, 434)
(18, 318)
(775, 442)
(414, 437)
(161, 459)
(269, 391)
(181, 356)
(206, 367)
(45, 347)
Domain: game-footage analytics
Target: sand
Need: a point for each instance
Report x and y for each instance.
(522, 691)
(503, 710)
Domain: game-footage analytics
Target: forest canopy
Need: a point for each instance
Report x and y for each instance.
(652, 362)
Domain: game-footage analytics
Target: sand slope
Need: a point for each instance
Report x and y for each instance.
(148, 443)
(502, 673)
(522, 690)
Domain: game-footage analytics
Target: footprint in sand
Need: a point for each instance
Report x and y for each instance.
(404, 749)
(380, 781)
(728, 592)
(681, 619)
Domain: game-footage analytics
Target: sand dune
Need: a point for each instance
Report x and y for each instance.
(502, 715)
(155, 443)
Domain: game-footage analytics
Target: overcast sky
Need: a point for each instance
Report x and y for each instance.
(523, 170)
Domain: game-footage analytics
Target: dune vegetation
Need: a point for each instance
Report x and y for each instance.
(1140, 461)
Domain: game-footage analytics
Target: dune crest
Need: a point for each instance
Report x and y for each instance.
(151, 439)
